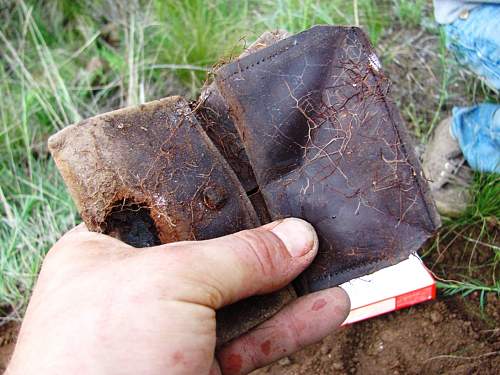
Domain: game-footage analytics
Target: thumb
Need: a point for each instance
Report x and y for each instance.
(249, 262)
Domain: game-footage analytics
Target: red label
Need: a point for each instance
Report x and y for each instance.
(416, 296)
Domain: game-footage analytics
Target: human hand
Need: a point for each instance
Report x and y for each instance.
(103, 307)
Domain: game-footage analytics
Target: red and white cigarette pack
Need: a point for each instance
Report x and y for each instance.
(396, 287)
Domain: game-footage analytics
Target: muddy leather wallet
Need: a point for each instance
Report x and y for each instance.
(303, 127)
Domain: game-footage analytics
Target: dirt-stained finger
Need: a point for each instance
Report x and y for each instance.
(303, 322)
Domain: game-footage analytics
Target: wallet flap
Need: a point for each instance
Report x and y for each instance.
(326, 144)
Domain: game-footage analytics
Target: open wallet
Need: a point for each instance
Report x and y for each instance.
(298, 126)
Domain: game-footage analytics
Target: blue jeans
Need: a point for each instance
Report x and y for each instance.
(476, 43)
(477, 130)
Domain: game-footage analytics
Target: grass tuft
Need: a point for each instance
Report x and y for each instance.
(474, 239)
(195, 35)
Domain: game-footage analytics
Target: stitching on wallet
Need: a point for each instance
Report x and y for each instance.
(270, 57)
(266, 58)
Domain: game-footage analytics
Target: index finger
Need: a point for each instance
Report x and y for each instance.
(305, 321)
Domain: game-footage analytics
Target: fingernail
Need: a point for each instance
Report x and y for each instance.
(298, 236)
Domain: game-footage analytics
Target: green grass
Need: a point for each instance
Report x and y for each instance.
(477, 233)
(465, 288)
(443, 89)
(197, 34)
(298, 15)
(63, 61)
(409, 12)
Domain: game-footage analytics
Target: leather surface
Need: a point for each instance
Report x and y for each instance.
(326, 144)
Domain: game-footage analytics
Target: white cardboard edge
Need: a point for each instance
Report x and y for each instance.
(376, 293)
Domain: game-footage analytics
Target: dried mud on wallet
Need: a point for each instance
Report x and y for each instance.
(300, 126)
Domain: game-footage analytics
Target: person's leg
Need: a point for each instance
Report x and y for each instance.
(477, 130)
(471, 134)
(475, 41)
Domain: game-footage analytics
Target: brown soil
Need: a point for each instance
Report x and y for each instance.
(433, 338)
(8, 333)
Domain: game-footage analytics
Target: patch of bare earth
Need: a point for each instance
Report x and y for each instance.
(8, 334)
(433, 338)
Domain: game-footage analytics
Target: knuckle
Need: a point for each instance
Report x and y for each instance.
(263, 250)
(214, 296)
(51, 256)
(296, 329)
(77, 244)
(63, 247)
